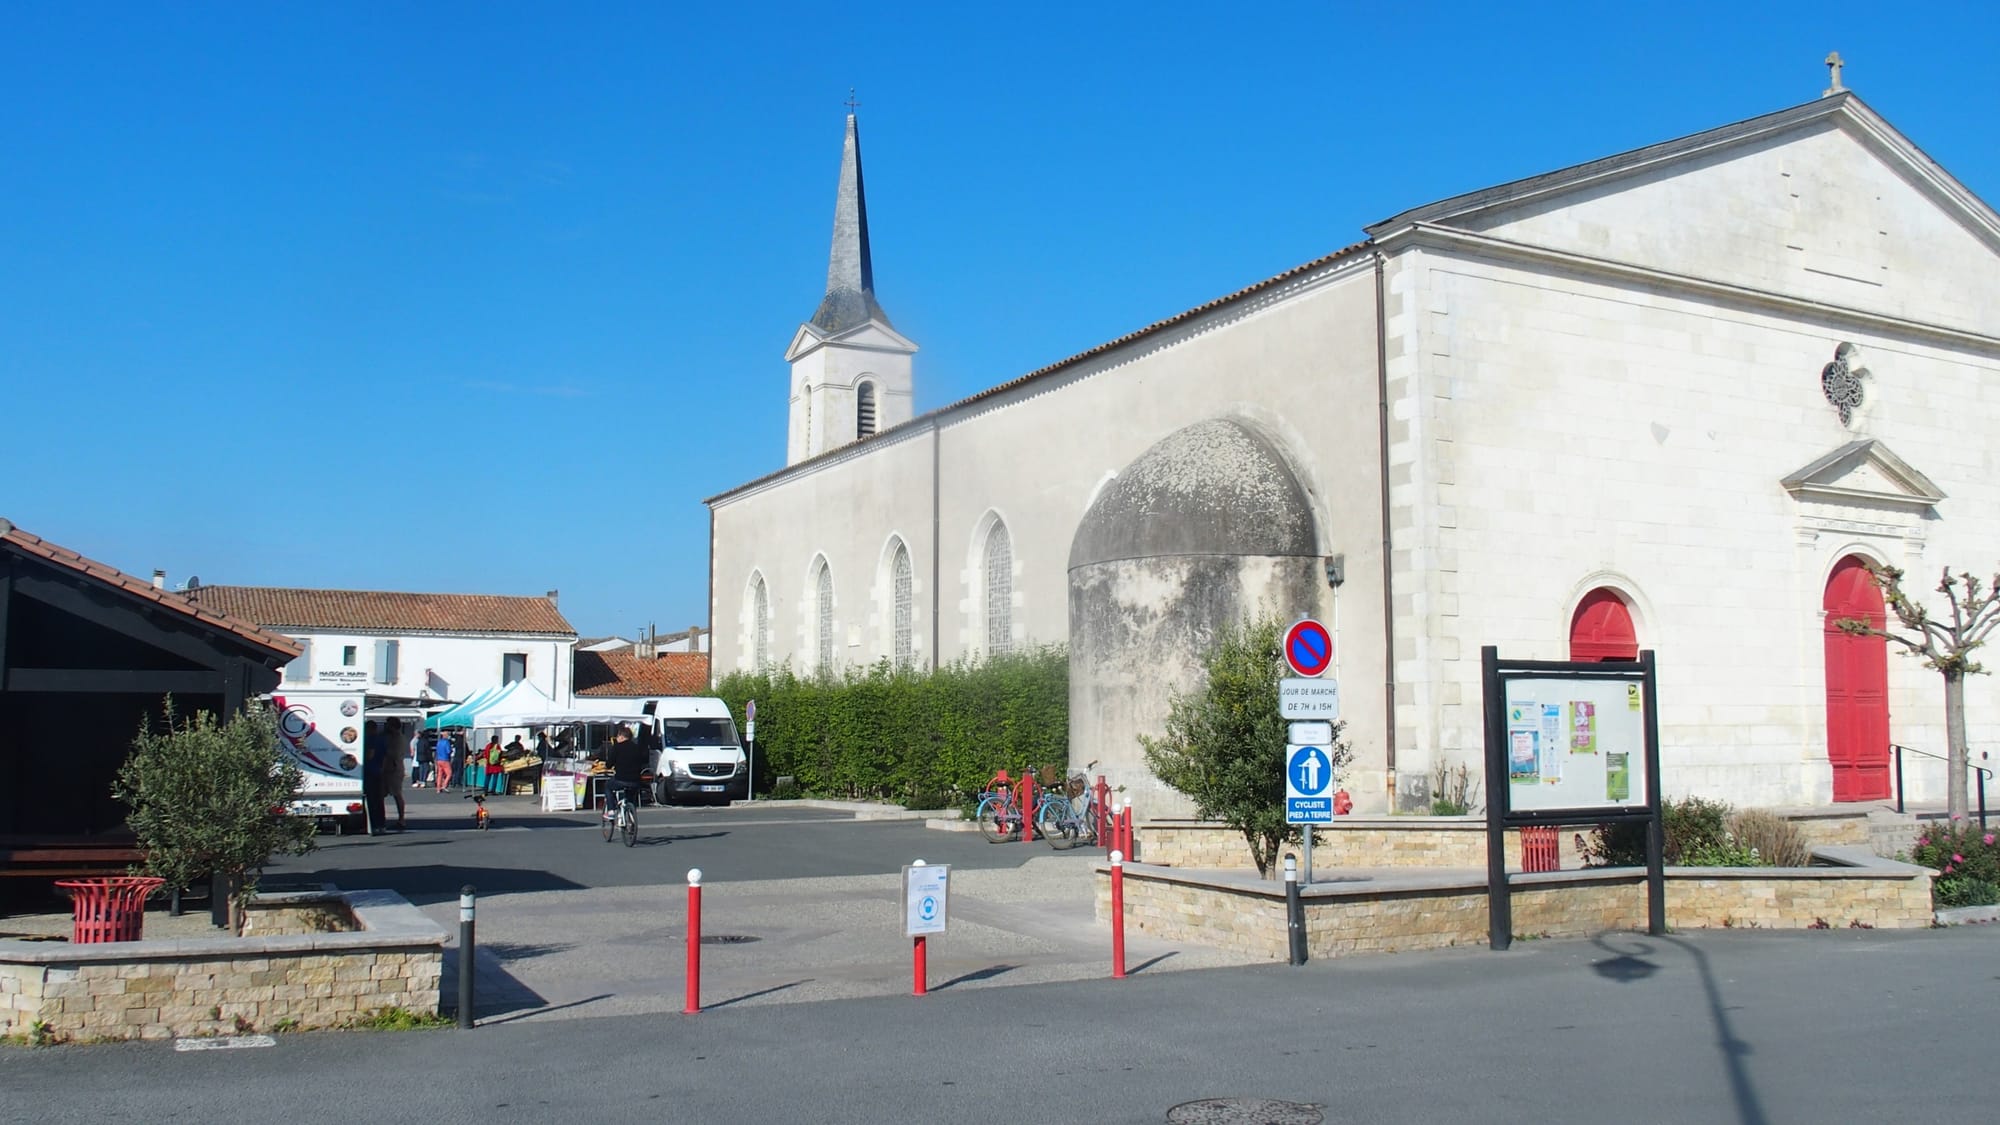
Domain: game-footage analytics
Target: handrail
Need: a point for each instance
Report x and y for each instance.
(1983, 774)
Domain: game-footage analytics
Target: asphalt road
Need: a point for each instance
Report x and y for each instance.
(528, 850)
(1750, 1027)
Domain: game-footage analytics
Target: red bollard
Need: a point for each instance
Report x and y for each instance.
(1118, 915)
(1124, 830)
(693, 1006)
(920, 977)
(1102, 793)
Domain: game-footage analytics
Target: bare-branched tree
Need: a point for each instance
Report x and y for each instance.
(1944, 645)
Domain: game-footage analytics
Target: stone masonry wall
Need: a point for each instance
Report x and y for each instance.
(162, 989)
(1431, 912)
(1350, 842)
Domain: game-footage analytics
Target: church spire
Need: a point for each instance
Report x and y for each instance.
(850, 278)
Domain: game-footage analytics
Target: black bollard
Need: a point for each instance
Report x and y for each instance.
(1295, 910)
(218, 899)
(466, 955)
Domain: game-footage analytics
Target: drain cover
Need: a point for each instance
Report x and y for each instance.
(726, 939)
(1244, 1111)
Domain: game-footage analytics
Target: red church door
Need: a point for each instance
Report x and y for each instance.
(1857, 687)
(1602, 629)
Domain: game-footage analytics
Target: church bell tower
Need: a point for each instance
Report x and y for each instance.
(850, 369)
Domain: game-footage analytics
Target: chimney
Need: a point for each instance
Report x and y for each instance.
(552, 596)
(159, 579)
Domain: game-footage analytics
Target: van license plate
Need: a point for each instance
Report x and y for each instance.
(711, 788)
(315, 810)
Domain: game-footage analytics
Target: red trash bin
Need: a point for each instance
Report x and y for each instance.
(1540, 850)
(111, 909)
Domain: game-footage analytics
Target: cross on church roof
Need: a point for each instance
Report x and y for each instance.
(1833, 64)
(853, 105)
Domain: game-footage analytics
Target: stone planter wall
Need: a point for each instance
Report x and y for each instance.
(1398, 841)
(1401, 911)
(221, 986)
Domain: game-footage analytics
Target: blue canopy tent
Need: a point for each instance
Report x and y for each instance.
(458, 716)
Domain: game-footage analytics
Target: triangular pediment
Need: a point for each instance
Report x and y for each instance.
(1864, 471)
(1824, 202)
(869, 335)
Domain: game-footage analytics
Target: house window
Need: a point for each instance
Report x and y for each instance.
(823, 599)
(349, 655)
(999, 591)
(299, 671)
(760, 625)
(864, 410)
(513, 667)
(386, 654)
(899, 592)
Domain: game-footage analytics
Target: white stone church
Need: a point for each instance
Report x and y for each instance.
(1670, 399)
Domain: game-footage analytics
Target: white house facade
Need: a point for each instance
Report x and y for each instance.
(440, 646)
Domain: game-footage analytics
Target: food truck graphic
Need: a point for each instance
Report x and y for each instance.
(322, 731)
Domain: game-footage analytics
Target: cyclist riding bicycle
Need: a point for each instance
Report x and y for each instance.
(627, 760)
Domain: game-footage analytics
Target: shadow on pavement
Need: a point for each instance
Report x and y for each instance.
(1626, 967)
(495, 991)
(987, 973)
(427, 886)
(1147, 964)
(754, 995)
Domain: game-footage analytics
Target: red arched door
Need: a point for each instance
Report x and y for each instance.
(1602, 629)
(1857, 687)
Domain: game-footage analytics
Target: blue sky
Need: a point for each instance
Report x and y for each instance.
(489, 297)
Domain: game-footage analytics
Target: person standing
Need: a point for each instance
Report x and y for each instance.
(394, 769)
(460, 753)
(374, 757)
(496, 773)
(441, 762)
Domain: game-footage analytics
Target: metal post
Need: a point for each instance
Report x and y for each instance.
(1309, 854)
(920, 975)
(750, 772)
(1028, 809)
(467, 897)
(1103, 795)
(1980, 777)
(1118, 915)
(218, 900)
(1899, 779)
(1295, 910)
(693, 1002)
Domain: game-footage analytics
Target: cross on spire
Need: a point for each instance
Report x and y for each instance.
(1833, 64)
(853, 105)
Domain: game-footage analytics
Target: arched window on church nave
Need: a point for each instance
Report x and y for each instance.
(760, 624)
(1601, 628)
(823, 618)
(999, 590)
(864, 410)
(902, 608)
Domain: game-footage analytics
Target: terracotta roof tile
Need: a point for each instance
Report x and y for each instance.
(619, 674)
(279, 607)
(214, 617)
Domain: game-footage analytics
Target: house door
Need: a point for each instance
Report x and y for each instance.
(1857, 687)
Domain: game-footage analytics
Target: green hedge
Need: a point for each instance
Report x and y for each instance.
(884, 733)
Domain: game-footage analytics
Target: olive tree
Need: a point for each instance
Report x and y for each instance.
(1224, 744)
(1943, 645)
(202, 795)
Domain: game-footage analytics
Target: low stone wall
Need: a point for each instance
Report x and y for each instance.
(223, 986)
(1398, 841)
(301, 912)
(1409, 910)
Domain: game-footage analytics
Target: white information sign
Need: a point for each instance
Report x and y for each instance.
(340, 677)
(1575, 744)
(1310, 734)
(926, 899)
(1300, 698)
(559, 792)
(750, 730)
(1308, 785)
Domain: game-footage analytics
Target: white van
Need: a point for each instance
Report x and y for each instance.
(698, 756)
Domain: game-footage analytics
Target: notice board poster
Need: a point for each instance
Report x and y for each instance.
(1575, 744)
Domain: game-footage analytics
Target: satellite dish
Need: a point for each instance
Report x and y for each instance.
(194, 582)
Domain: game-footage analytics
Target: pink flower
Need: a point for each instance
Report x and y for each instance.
(1957, 858)
(1988, 840)
(1923, 841)
(1947, 869)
